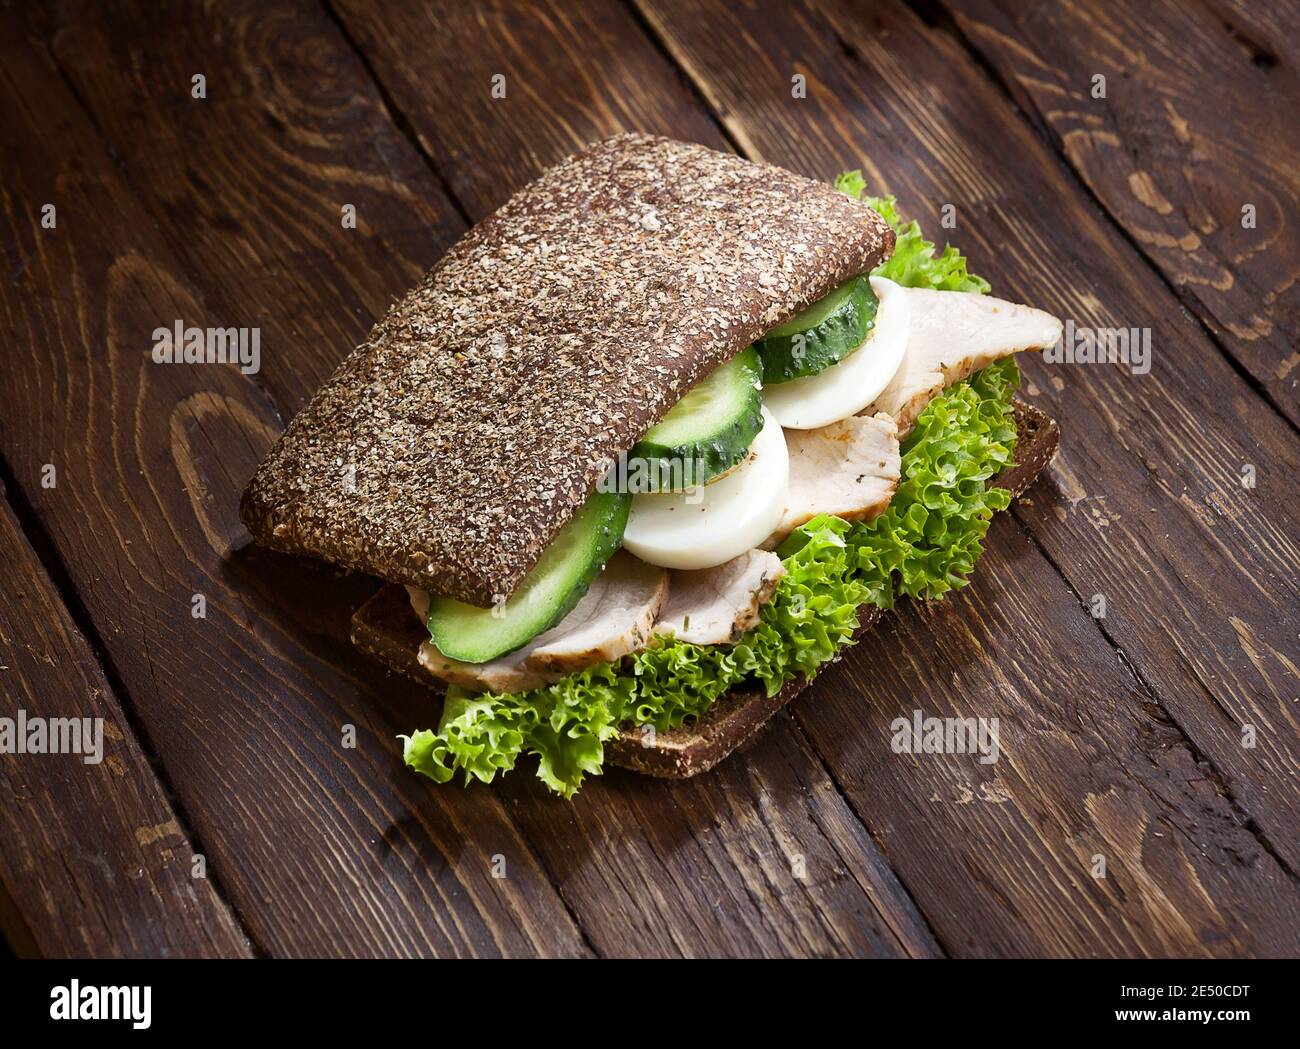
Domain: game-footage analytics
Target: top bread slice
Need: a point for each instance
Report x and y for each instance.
(451, 446)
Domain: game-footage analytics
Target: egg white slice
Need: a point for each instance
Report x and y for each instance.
(709, 526)
(844, 389)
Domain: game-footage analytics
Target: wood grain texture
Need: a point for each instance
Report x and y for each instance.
(1199, 573)
(1004, 859)
(573, 74)
(1119, 742)
(235, 229)
(94, 860)
(1198, 122)
(324, 848)
(761, 857)
(562, 92)
(400, 51)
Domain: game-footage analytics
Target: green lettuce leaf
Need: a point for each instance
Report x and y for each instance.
(924, 545)
(913, 262)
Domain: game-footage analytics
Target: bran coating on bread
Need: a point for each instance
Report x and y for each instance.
(451, 446)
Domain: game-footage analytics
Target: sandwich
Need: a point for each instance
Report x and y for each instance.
(647, 449)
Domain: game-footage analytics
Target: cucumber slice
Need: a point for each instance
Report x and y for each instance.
(546, 595)
(823, 334)
(707, 433)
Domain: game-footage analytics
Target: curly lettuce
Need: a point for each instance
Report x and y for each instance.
(913, 262)
(924, 545)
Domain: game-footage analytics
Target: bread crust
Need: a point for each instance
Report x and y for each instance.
(451, 446)
(385, 628)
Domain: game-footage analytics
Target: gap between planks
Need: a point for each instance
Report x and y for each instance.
(937, 17)
(404, 126)
(1248, 822)
(60, 582)
(53, 564)
(396, 117)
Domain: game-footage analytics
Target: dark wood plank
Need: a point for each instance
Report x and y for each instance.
(247, 186)
(1147, 506)
(324, 849)
(1003, 858)
(574, 73)
(944, 141)
(1198, 121)
(94, 861)
(400, 50)
(762, 857)
(708, 864)
(238, 234)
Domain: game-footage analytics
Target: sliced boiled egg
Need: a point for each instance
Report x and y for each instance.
(709, 525)
(844, 389)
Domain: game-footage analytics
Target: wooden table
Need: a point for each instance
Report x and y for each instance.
(1174, 497)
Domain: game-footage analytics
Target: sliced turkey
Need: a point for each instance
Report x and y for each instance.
(714, 606)
(506, 673)
(952, 335)
(613, 618)
(849, 469)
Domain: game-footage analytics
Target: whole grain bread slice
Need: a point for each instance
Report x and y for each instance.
(451, 446)
(386, 628)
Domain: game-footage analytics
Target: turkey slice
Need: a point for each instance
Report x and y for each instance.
(613, 618)
(849, 469)
(714, 606)
(952, 335)
(508, 673)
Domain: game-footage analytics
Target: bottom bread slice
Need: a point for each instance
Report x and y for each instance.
(386, 628)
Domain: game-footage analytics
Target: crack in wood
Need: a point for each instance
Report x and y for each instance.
(934, 14)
